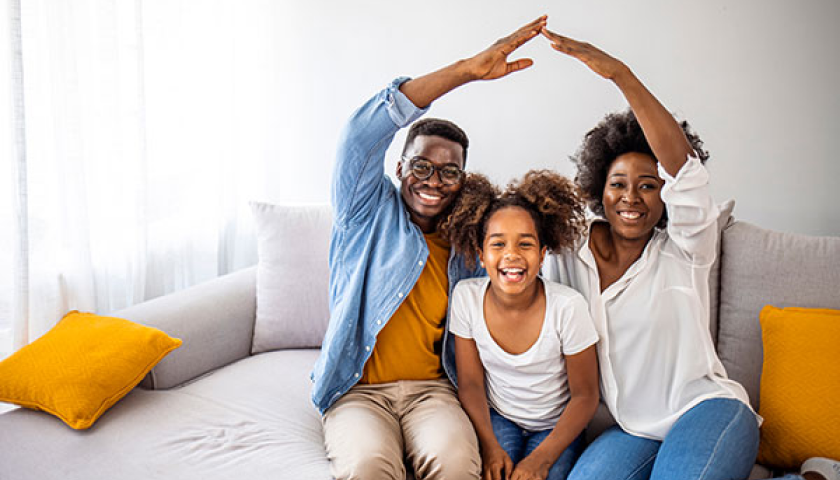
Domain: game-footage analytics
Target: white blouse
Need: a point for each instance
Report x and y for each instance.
(656, 355)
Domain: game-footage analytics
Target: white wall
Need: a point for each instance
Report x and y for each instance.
(758, 80)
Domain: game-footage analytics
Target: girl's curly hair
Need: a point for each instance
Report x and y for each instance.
(551, 199)
(617, 134)
(461, 227)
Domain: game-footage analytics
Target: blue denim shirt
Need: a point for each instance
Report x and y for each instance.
(376, 252)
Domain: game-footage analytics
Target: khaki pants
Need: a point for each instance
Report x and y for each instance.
(372, 430)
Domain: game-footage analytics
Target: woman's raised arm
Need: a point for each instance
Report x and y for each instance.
(663, 133)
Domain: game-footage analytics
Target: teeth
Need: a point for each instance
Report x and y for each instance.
(513, 271)
(630, 215)
(426, 196)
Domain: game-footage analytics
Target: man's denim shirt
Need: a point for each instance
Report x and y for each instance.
(376, 252)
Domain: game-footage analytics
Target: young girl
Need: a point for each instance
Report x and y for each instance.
(524, 347)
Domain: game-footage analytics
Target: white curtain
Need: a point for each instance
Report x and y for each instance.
(137, 132)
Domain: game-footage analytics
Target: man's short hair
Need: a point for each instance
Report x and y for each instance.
(438, 127)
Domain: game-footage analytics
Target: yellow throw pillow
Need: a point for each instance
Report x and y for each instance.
(82, 366)
(800, 386)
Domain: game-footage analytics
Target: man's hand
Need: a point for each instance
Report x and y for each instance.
(492, 63)
(597, 60)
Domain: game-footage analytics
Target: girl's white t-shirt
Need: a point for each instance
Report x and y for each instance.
(531, 388)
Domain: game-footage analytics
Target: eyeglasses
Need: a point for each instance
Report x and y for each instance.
(423, 169)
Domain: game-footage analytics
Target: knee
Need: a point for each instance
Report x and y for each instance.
(449, 460)
(365, 467)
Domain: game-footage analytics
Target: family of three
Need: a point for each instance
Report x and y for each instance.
(474, 330)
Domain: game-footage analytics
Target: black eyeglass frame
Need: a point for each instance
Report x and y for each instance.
(432, 168)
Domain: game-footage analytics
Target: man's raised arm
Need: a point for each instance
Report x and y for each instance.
(490, 64)
(358, 173)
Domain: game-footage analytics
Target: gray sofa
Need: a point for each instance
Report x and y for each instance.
(212, 410)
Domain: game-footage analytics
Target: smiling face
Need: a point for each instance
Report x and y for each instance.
(632, 204)
(427, 199)
(511, 251)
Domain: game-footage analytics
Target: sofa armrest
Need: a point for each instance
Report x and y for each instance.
(215, 320)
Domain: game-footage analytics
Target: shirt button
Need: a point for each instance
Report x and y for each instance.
(367, 348)
(420, 263)
(356, 375)
(379, 322)
(400, 294)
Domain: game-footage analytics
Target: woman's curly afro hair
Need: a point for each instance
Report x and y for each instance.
(615, 135)
(552, 201)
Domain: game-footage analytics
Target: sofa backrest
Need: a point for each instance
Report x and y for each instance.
(761, 267)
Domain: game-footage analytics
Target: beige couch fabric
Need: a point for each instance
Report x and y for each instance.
(250, 420)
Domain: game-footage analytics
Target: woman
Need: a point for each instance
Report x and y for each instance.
(644, 269)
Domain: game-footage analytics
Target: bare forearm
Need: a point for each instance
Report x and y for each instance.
(571, 423)
(474, 401)
(663, 133)
(490, 64)
(424, 90)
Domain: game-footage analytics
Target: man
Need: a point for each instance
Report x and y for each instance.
(379, 381)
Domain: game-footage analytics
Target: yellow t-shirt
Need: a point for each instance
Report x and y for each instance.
(409, 346)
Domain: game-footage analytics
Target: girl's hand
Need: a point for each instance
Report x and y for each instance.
(532, 467)
(496, 464)
(492, 63)
(597, 60)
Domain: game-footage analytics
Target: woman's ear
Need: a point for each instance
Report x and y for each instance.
(543, 251)
(481, 258)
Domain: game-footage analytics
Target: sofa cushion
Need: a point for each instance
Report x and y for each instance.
(292, 276)
(82, 366)
(800, 385)
(761, 267)
(251, 419)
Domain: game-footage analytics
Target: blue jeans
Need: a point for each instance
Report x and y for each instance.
(519, 443)
(715, 440)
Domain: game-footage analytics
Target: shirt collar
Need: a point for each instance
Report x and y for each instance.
(584, 253)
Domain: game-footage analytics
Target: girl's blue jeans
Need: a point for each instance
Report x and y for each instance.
(519, 443)
(715, 440)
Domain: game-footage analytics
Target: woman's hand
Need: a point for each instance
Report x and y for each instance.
(597, 60)
(665, 136)
(492, 63)
(495, 462)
